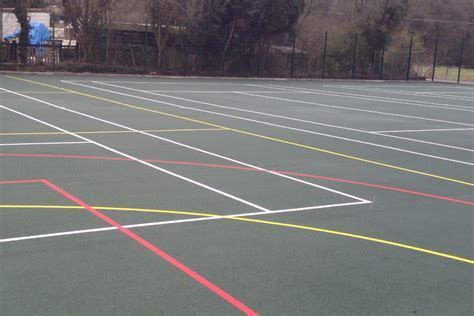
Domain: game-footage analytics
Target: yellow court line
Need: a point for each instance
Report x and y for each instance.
(381, 164)
(115, 132)
(264, 222)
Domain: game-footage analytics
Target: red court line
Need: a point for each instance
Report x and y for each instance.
(19, 181)
(211, 286)
(303, 175)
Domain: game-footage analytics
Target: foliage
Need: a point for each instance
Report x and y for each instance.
(246, 20)
(378, 28)
(233, 29)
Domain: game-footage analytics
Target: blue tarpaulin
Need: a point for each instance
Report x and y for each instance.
(39, 33)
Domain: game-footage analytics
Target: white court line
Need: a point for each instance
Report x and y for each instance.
(420, 94)
(218, 92)
(426, 130)
(357, 96)
(376, 98)
(39, 92)
(139, 160)
(168, 83)
(262, 113)
(352, 129)
(279, 116)
(443, 92)
(45, 143)
(417, 85)
(189, 220)
(265, 123)
(459, 93)
(185, 146)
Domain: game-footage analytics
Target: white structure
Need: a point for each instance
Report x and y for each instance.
(9, 23)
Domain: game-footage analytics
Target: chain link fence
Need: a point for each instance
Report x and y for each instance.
(141, 49)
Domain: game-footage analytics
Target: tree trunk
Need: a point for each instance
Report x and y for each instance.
(22, 17)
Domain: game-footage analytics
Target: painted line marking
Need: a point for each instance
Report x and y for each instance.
(292, 128)
(426, 130)
(411, 93)
(302, 175)
(168, 83)
(40, 92)
(224, 92)
(18, 181)
(350, 129)
(159, 252)
(274, 139)
(394, 100)
(115, 132)
(229, 217)
(44, 143)
(233, 197)
(444, 92)
(201, 218)
(181, 145)
(412, 85)
(381, 99)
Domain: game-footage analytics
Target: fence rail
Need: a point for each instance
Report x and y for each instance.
(256, 55)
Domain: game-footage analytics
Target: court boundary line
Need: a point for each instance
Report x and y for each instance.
(282, 126)
(115, 132)
(238, 218)
(350, 96)
(200, 218)
(418, 84)
(343, 127)
(378, 98)
(156, 250)
(40, 92)
(44, 143)
(291, 119)
(409, 93)
(425, 130)
(178, 144)
(261, 136)
(223, 92)
(351, 128)
(233, 197)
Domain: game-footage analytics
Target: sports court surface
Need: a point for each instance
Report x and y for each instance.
(126, 195)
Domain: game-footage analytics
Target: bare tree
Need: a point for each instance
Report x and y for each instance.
(167, 17)
(87, 18)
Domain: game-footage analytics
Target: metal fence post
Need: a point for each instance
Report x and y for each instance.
(14, 51)
(324, 54)
(292, 70)
(409, 57)
(460, 59)
(259, 57)
(145, 61)
(186, 50)
(354, 57)
(434, 59)
(54, 44)
(224, 52)
(383, 56)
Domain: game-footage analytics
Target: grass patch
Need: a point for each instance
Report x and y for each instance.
(445, 72)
